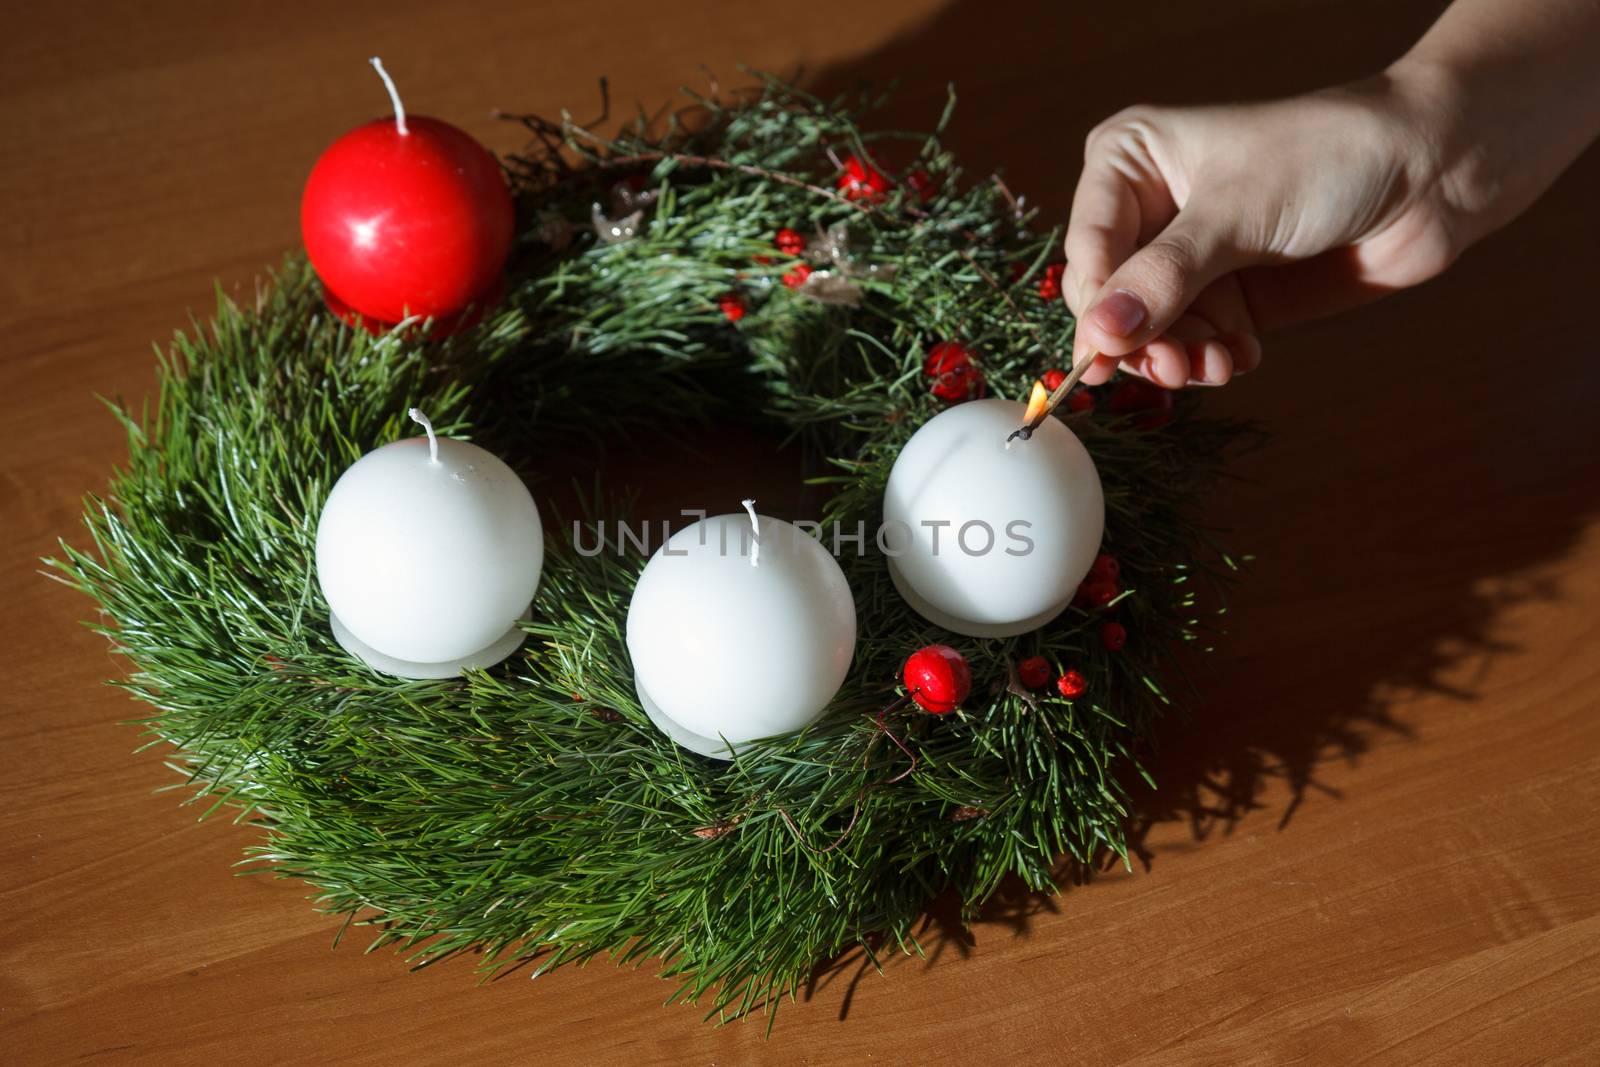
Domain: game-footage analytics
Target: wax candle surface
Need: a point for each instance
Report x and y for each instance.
(407, 216)
(727, 648)
(429, 560)
(986, 540)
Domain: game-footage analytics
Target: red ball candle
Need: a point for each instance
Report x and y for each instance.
(406, 216)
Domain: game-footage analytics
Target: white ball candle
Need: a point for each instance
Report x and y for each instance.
(741, 627)
(986, 537)
(428, 552)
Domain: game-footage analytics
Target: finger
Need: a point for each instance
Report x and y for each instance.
(1148, 293)
(1246, 349)
(1164, 361)
(1222, 311)
(1103, 229)
(1110, 213)
(1136, 363)
(1210, 357)
(1102, 371)
(1222, 305)
(1210, 362)
(1193, 326)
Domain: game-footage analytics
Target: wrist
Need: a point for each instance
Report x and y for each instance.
(1461, 172)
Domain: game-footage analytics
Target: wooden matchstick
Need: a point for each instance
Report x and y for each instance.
(1056, 397)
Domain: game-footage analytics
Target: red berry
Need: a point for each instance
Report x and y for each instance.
(1152, 403)
(1050, 281)
(797, 277)
(1034, 672)
(1080, 400)
(1098, 592)
(761, 260)
(1053, 378)
(862, 181)
(732, 305)
(1114, 636)
(790, 242)
(1072, 685)
(955, 377)
(1105, 568)
(962, 383)
(945, 357)
(938, 678)
(925, 187)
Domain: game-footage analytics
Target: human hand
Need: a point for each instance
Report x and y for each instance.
(1196, 229)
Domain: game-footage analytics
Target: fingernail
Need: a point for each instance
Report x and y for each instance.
(1210, 362)
(1119, 314)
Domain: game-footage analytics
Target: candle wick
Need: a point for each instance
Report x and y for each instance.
(394, 95)
(755, 530)
(433, 442)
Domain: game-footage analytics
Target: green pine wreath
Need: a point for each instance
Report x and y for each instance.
(531, 811)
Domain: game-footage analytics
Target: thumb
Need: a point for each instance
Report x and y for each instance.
(1156, 285)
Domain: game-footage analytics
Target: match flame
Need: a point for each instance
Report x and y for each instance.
(1037, 403)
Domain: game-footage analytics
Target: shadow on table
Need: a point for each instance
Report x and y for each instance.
(1398, 515)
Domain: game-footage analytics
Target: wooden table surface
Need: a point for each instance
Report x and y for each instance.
(1378, 836)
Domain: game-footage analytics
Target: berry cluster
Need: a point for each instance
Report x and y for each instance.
(938, 678)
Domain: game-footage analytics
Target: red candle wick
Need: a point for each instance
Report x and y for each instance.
(394, 95)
